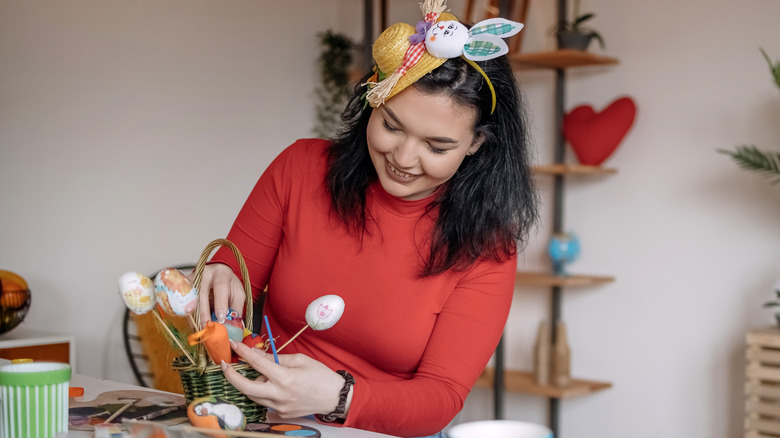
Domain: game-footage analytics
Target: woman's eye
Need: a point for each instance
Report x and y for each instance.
(436, 150)
(388, 127)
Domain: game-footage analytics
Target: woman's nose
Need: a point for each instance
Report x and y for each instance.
(405, 155)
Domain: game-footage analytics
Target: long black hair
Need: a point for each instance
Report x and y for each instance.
(488, 207)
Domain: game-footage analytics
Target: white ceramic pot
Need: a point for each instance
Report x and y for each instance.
(499, 429)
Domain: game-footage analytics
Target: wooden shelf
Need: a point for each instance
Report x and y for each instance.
(26, 343)
(558, 59)
(572, 169)
(549, 280)
(523, 383)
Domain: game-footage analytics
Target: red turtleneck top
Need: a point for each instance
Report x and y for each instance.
(415, 345)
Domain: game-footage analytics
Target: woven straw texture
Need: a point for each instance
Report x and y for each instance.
(390, 48)
(206, 378)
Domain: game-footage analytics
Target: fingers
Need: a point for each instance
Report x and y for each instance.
(262, 390)
(257, 359)
(254, 389)
(219, 286)
(204, 294)
(237, 295)
(297, 386)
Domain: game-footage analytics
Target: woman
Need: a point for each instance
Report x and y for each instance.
(413, 216)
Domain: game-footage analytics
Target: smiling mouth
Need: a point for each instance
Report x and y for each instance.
(398, 172)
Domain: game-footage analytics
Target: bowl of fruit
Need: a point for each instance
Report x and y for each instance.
(14, 300)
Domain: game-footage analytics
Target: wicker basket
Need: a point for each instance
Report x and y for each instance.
(206, 378)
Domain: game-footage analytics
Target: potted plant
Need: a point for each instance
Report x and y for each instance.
(765, 162)
(750, 157)
(574, 34)
(775, 303)
(333, 90)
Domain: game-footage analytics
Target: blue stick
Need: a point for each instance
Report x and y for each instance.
(271, 338)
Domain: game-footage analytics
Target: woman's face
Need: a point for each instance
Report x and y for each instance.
(417, 142)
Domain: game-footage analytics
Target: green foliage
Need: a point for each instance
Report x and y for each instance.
(750, 157)
(776, 301)
(577, 25)
(774, 67)
(332, 93)
(755, 160)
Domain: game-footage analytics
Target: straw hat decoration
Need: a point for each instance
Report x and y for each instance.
(403, 54)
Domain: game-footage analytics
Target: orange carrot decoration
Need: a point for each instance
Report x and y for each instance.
(215, 338)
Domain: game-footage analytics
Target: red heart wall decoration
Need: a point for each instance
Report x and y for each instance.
(595, 136)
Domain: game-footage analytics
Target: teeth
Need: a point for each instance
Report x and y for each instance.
(398, 172)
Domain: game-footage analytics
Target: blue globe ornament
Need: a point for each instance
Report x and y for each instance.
(563, 248)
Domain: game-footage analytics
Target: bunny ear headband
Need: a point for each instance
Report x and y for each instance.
(404, 54)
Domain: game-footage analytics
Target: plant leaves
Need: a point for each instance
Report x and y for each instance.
(583, 18)
(753, 159)
(774, 67)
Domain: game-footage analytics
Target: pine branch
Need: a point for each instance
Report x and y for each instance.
(774, 67)
(752, 159)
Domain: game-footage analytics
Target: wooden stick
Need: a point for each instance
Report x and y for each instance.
(239, 433)
(176, 341)
(119, 411)
(279, 350)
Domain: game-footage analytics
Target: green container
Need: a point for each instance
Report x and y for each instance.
(34, 399)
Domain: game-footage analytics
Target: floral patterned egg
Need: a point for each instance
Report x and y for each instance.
(175, 292)
(137, 291)
(324, 312)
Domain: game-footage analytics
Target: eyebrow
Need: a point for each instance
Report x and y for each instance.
(445, 140)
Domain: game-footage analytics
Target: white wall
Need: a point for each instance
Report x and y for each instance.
(130, 134)
(131, 131)
(691, 240)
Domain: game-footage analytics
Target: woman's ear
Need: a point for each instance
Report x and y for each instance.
(479, 138)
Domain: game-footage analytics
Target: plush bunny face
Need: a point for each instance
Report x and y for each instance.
(446, 39)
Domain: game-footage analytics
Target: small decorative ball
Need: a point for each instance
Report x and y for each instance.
(563, 248)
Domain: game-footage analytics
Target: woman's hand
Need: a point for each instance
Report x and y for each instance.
(297, 386)
(219, 285)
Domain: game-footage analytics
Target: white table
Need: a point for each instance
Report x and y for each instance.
(94, 387)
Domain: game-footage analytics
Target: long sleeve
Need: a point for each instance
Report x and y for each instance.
(415, 345)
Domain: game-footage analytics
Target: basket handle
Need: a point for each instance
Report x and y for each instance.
(244, 274)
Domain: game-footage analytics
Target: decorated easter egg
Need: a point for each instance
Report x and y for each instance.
(234, 325)
(324, 312)
(215, 413)
(175, 292)
(446, 39)
(137, 291)
(253, 340)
